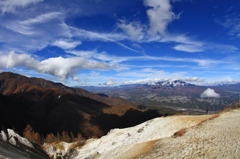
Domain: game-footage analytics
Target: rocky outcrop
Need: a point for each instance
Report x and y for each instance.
(14, 146)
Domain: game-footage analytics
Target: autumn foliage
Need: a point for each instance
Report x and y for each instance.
(33, 136)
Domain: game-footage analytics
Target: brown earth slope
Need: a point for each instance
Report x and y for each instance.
(217, 138)
(213, 136)
(53, 108)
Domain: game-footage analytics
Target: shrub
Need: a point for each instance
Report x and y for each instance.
(180, 132)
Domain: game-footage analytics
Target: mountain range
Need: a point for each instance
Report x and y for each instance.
(75, 123)
(175, 94)
(43, 109)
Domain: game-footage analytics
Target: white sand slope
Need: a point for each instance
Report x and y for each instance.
(217, 138)
(134, 141)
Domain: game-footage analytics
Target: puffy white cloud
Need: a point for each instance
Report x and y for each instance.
(63, 67)
(12, 59)
(66, 43)
(133, 29)
(12, 5)
(57, 66)
(110, 82)
(160, 15)
(209, 93)
(76, 78)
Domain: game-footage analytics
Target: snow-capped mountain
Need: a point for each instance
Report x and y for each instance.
(173, 83)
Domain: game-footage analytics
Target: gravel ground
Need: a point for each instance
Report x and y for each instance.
(214, 139)
(134, 141)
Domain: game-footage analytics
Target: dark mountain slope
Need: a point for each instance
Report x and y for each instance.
(53, 108)
(11, 83)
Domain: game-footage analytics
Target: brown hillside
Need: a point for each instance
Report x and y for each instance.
(50, 107)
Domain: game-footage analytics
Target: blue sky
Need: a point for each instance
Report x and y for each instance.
(114, 42)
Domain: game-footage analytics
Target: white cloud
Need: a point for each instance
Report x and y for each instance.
(76, 78)
(66, 43)
(149, 73)
(136, 46)
(43, 18)
(188, 48)
(102, 56)
(110, 82)
(160, 15)
(8, 6)
(221, 48)
(231, 22)
(95, 36)
(207, 62)
(193, 80)
(31, 26)
(57, 66)
(115, 60)
(12, 59)
(142, 81)
(152, 81)
(133, 29)
(209, 93)
(40, 30)
(64, 67)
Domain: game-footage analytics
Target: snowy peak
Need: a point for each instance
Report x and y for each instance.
(173, 83)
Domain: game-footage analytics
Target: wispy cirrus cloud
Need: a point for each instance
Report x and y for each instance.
(9, 6)
(35, 28)
(160, 15)
(93, 60)
(231, 22)
(107, 37)
(115, 60)
(188, 48)
(66, 43)
(32, 26)
(42, 35)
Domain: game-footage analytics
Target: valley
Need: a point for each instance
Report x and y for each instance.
(101, 122)
(174, 94)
